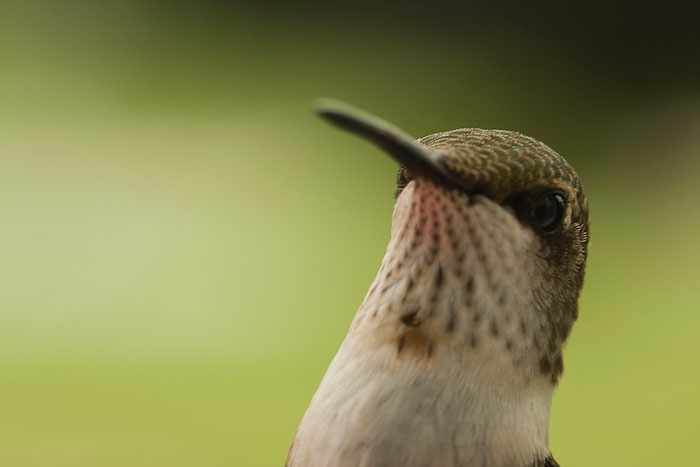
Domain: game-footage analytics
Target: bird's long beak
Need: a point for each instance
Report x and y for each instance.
(415, 157)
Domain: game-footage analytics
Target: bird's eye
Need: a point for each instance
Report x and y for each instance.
(548, 212)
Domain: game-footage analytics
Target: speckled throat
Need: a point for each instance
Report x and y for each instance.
(453, 356)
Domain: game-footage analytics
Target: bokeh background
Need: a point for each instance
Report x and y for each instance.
(184, 244)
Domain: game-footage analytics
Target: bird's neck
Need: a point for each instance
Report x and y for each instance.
(445, 417)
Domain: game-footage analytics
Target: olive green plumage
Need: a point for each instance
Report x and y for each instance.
(505, 163)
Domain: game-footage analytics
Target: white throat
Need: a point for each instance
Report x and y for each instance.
(374, 410)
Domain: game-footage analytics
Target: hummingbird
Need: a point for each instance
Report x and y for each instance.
(455, 352)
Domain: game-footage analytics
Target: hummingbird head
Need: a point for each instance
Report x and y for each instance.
(488, 248)
(453, 356)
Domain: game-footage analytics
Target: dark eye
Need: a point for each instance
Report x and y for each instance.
(548, 212)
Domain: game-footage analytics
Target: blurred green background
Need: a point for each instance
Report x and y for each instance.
(184, 244)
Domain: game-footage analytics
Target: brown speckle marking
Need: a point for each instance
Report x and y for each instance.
(494, 328)
(476, 241)
(468, 289)
(433, 253)
(437, 285)
(501, 298)
(409, 287)
(411, 318)
(402, 344)
(523, 327)
(452, 318)
(439, 278)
